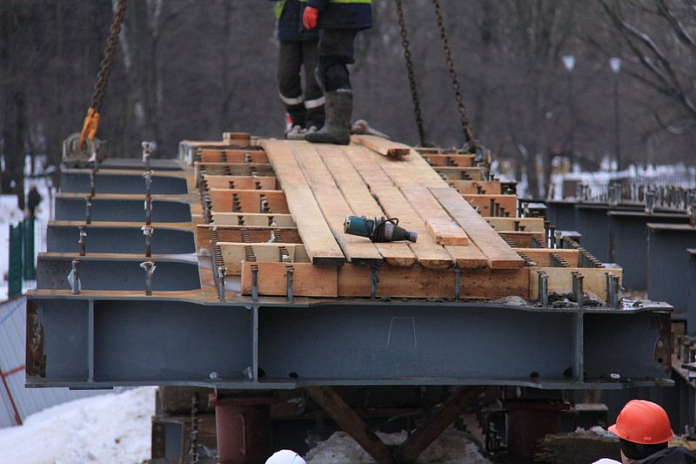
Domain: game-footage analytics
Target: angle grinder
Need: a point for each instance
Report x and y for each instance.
(378, 230)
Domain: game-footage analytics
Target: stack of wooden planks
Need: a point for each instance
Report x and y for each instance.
(278, 209)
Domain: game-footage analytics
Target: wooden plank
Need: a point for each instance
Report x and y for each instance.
(361, 201)
(524, 239)
(500, 254)
(455, 173)
(309, 280)
(494, 205)
(242, 182)
(405, 172)
(561, 280)
(253, 219)
(233, 156)
(244, 234)
(382, 146)
(316, 234)
(417, 282)
(233, 169)
(382, 173)
(542, 256)
(248, 201)
(462, 161)
(358, 250)
(440, 225)
(233, 254)
(392, 201)
(516, 224)
(476, 187)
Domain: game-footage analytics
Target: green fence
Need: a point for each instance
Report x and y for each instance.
(22, 264)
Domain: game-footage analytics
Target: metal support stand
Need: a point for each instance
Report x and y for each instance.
(243, 429)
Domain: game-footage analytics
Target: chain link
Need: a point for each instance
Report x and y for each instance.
(411, 74)
(468, 135)
(109, 52)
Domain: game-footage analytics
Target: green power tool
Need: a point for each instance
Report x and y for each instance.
(378, 230)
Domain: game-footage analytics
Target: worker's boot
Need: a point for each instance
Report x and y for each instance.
(339, 109)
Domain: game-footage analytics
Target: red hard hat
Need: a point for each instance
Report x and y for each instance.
(642, 422)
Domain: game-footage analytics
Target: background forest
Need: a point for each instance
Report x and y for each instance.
(191, 69)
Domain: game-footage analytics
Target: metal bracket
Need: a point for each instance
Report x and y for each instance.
(222, 272)
(148, 149)
(290, 271)
(457, 282)
(147, 232)
(74, 277)
(578, 290)
(149, 268)
(148, 210)
(254, 282)
(374, 280)
(88, 210)
(543, 288)
(82, 240)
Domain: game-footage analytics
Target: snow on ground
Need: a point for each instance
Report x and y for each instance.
(109, 428)
(452, 447)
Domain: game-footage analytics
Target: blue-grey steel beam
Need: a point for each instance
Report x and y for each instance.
(124, 239)
(668, 264)
(109, 274)
(111, 183)
(691, 319)
(561, 214)
(628, 243)
(176, 342)
(72, 208)
(592, 222)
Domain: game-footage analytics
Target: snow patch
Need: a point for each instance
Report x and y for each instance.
(114, 427)
(452, 447)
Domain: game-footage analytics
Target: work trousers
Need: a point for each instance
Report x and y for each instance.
(305, 108)
(335, 54)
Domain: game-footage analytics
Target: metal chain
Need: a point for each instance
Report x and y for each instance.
(411, 73)
(468, 135)
(103, 76)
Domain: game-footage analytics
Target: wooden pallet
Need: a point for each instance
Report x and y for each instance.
(278, 209)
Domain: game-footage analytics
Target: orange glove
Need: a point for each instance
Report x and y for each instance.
(310, 17)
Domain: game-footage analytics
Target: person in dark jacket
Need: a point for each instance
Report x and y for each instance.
(644, 431)
(338, 22)
(298, 50)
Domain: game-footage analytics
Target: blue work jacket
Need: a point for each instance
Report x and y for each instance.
(289, 26)
(343, 14)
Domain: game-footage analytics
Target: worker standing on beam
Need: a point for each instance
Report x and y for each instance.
(643, 429)
(298, 50)
(338, 22)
